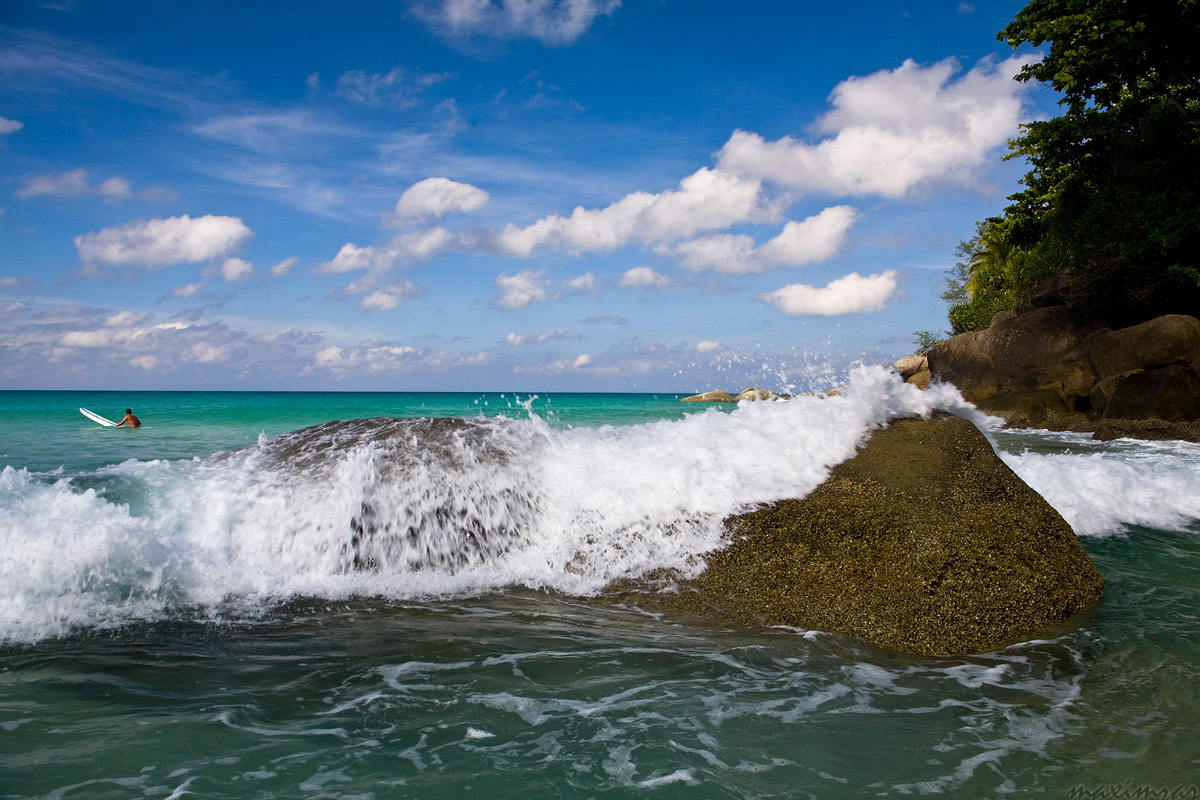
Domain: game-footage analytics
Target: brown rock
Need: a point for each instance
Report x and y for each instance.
(921, 379)
(1171, 394)
(1030, 352)
(923, 542)
(716, 396)
(1161, 342)
(911, 365)
(755, 394)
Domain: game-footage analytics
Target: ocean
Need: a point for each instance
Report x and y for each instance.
(243, 599)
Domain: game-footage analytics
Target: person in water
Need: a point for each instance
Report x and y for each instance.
(133, 421)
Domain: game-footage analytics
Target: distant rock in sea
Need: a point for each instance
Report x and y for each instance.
(924, 542)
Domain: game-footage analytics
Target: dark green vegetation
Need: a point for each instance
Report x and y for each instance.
(1109, 219)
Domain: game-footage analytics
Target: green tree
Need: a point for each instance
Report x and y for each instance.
(1112, 197)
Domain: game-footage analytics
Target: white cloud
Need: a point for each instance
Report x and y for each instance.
(236, 269)
(518, 291)
(386, 298)
(893, 131)
(159, 242)
(415, 246)
(115, 189)
(644, 278)
(850, 294)
(76, 183)
(514, 339)
(208, 353)
(552, 22)
(188, 290)
(705, 200)
(282, 268)
(582, 283)
(436, 197)
(8, 126)
(270, 132)
(708, 346)
(398, 87)
(815, 239)
(66, 184)
(144, 362)
(375, 356)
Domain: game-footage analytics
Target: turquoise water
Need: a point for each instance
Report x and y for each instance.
(178, 619)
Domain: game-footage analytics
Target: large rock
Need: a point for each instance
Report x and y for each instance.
(924, 542)
(1030, 352)
(1047, 368)
(1161, 342)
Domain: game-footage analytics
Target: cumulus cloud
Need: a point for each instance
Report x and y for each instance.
(518, 291)
(644, 278)
(437, 197)
(850, 294)
(807, 242)
(552, 22)
(415, 246)
(8, 126)
(893, 131)
(705, 200)
(235, 269)
(581, 283)
(388, 297)
(708, 346)
(160, 242)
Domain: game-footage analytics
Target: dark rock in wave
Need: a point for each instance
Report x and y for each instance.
(924, 542)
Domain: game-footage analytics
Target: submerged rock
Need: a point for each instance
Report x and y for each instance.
(924, 542)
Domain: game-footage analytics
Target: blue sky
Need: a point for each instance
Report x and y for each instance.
(524, 195)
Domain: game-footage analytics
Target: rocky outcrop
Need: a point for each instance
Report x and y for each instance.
(924, 542)
(716, 396)
(754, 393)
(914, 370)
(1048, 368)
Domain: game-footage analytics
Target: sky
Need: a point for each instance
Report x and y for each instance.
(490, 195)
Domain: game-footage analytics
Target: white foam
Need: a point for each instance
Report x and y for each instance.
(410, 510)
(1154, 485)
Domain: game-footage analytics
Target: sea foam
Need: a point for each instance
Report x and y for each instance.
(435, 508)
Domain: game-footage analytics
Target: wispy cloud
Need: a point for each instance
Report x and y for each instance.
(76, 182)
(552, 22)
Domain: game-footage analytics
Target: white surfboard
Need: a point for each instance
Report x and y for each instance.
(108, 423)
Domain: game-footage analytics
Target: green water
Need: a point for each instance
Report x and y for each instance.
(520, 693)
(47, 431)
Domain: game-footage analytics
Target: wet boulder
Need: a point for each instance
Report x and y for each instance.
(924, 542)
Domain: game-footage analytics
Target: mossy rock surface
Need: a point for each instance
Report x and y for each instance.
(924, 542)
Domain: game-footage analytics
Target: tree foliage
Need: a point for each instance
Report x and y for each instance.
(1112, 197)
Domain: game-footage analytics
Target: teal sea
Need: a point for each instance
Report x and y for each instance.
(243, 600)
